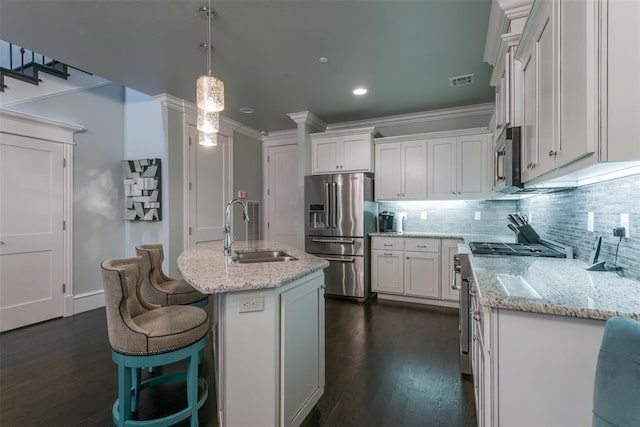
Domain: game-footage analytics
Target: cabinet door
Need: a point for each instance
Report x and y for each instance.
(355, 154)
(325, 155)
(414, 169)
(387, 182)
(577, 82)
(529, 119)
(422, 274)
(472, 167)
(442, 168)
(302, 343)
(449, 249)
(547, 108)
(387, 272)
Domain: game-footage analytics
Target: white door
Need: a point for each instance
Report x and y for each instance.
(284, 212)
(209, 188)
(421, 274)
(442, 168)
(31, 234)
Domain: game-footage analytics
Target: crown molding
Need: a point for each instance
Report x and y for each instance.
(281, 137)
(433, 135)
(307, 117)
(13, 122)
(501, 15)
(187, 107)
(425, 116)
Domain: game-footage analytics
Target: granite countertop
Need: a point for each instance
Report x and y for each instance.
(207, 269)
(467, 237)
(553, 286)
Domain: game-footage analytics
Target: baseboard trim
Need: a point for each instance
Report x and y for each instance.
(88, 301)
(417, 300)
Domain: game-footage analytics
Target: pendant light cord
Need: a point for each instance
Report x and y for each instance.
(209, 37)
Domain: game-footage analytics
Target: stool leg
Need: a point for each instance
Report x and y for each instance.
(124, 393)
(192, 387)
(136, 374)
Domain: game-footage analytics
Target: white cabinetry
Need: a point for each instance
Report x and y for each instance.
(458, 167)
(411, 269)
(543, 379)
(580, 98)
(283, 362)
(401, 170)
(342, 151)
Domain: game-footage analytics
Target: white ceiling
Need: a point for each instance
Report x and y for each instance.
(267, 51)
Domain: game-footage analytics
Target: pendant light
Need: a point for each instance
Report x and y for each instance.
(209, 88)
(207, 122)
(208, 139)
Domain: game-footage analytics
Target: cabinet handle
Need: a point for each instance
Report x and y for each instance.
(2, 242)
(386, 244)
(453, 192)
(340, 166)
(421, 246)
(398, 194)
(552, 153)
(459, 192)
(337, 166)
(533, 165)
(387, 254)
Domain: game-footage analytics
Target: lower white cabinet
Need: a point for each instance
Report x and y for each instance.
(415, 268)
(533, 369)
(270, 366)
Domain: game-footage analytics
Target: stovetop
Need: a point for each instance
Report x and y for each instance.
(517, 249)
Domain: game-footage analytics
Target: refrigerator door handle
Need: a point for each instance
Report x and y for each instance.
(351, 260)
(347, 241)
(327, 203)
(334, 201)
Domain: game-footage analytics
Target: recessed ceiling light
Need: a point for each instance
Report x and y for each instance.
(359, 91)
(323, 59)
(246, 110)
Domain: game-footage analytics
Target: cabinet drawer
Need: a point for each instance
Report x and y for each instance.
(388, 243)
(422, 245)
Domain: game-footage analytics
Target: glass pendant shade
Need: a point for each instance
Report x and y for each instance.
(210, 93)
(207, 122)
(208, 139)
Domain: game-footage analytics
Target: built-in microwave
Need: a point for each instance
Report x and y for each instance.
(507, 160)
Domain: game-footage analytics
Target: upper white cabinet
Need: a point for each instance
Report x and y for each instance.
(458, 167)
(581, 95)
(342, 151)
(401, 170)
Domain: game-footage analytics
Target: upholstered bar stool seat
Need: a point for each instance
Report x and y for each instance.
(142, 334)
(158, 288)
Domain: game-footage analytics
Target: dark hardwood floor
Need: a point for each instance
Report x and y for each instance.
(388, 364)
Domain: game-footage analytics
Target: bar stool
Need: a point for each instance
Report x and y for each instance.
(142, 335)
(159, 289)
(616, 391)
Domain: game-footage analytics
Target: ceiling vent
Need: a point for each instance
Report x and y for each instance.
(467, 79)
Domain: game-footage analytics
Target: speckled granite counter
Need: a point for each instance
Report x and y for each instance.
(553, 286)
(207, 269)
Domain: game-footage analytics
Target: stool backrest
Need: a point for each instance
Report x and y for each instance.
(121, 279)
(152, 258)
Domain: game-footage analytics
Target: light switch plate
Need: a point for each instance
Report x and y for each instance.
(624, 222)
(423, 215)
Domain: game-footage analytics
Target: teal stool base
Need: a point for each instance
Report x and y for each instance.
(130, 385)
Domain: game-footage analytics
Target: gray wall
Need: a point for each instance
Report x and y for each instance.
(247, 176)
(97, 188)
(455, 216)
(563, 217)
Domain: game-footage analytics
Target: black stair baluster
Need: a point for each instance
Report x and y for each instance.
(22, 59)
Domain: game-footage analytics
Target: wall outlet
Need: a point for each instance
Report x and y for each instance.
(249, 304)
(477, 216)
(423, 215)
(590, 221)
(624, 222)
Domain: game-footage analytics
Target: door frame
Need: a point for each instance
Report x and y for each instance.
(274, 139)
(227, 128)
(36, 127)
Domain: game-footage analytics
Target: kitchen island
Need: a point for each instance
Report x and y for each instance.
(268, 328)
(537, 326)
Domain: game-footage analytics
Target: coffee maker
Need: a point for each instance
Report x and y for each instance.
(385, 221)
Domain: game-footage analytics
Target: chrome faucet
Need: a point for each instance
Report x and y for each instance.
(228, 241)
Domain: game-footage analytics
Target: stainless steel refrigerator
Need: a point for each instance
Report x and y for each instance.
(340, 214)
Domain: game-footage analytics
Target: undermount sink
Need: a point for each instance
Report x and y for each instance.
(245, 257)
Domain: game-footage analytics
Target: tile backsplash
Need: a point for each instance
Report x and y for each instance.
(455, 216)
(562, 217)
